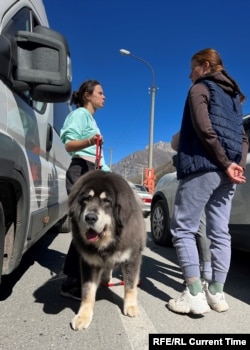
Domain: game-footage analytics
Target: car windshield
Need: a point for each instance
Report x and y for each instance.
(140, 188)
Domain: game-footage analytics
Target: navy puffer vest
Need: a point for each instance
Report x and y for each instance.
(225, 113)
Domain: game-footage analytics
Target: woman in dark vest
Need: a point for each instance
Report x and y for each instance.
(212, 154)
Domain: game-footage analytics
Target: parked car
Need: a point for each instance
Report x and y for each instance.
(163, 203)
(145, 196)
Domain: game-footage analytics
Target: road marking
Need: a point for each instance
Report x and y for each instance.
(137, 328)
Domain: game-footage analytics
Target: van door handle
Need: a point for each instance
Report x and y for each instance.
(49, 139)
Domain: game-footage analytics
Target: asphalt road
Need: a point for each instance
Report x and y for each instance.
(35, 317)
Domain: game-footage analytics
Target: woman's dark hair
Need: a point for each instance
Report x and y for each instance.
(216, 64)
(78, 97)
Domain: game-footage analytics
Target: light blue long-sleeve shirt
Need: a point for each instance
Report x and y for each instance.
(80, 125)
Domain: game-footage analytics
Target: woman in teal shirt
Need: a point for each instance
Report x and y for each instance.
(79, 134)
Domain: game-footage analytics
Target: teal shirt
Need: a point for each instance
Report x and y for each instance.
(79, 125)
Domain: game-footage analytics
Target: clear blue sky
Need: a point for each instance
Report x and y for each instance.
(166, 34)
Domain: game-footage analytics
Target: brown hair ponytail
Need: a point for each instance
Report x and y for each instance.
(216, 64)
(78, 97)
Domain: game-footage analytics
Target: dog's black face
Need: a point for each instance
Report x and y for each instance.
(96, 223)
(98, 209)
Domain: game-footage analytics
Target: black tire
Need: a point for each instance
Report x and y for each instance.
(64, 225)
(160, 224)
(2, 237)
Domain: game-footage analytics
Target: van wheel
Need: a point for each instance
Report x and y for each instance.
(160, 224)
(64, 225)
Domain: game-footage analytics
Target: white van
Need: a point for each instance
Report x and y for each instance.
(35, 83)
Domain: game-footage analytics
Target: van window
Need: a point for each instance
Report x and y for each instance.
(21, 21)
(61, 110)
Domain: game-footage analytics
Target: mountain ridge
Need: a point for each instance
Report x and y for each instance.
(133, 166)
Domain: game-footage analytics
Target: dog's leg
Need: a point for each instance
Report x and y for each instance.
(85, 314)
(131, 272)
(90, 282)
(106, 276)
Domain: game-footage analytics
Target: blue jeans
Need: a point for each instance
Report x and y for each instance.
(212, 192)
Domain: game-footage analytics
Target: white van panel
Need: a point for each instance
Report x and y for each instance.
(33, 159)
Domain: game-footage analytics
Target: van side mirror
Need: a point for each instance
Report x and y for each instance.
(37, 61)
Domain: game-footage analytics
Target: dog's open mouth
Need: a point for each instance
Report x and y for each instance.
(93, 236)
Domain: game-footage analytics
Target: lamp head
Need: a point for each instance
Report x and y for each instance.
(125, 52)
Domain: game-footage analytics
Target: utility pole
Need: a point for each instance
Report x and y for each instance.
(110, 158)
(142, 175)
(125, 173)
(149, 172)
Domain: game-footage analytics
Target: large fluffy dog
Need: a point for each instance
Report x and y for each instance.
(108, 230)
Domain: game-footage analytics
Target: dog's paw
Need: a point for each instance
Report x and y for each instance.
(130, 310)
(80, 321)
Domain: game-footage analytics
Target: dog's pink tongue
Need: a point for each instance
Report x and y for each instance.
(92, 235)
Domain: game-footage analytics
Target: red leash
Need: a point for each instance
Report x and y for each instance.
(120, 283)
(98, 154)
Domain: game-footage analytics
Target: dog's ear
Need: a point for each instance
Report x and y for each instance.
(123, 209)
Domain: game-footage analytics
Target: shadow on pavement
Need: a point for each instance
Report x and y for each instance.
(237, 284)
(40, 253)
(164, 270)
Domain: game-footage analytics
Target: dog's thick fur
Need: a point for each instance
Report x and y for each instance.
(108, 230)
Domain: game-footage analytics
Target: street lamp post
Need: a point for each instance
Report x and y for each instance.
(149, 174)
(110, 157)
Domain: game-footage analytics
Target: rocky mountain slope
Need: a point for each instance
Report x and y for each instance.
(133, 166)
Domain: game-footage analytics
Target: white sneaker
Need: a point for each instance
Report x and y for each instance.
(217, 302)
(187, 303)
